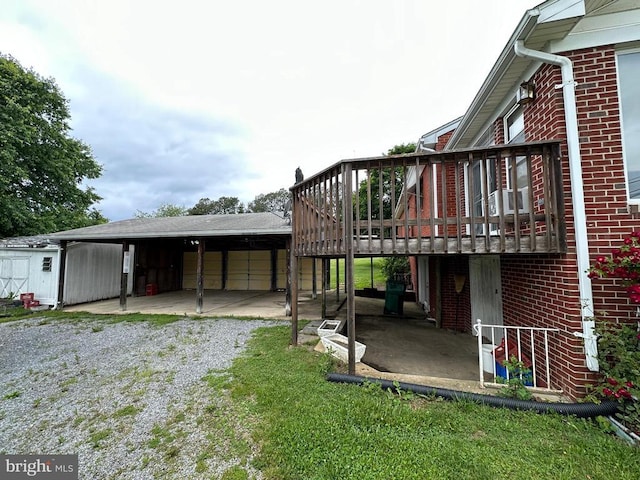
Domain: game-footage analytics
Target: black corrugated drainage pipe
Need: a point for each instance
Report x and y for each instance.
(582, 410)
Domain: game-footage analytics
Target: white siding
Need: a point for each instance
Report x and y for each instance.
(21, 272)
(93, 272)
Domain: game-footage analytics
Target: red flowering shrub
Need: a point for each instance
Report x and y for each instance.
(619, 343)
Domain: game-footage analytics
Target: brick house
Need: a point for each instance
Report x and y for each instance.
(577, 64)
(503, 210)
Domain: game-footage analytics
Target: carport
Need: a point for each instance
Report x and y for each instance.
(244, 252)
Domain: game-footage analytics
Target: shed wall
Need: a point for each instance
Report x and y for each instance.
(21, 271)
(93, 272)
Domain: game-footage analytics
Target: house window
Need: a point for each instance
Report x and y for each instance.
(481, 185)
(514, 133)
(629, 92)
(46, 264)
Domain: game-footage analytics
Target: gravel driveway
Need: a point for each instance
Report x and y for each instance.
(131, 399)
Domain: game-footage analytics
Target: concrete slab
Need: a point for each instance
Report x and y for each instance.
(256, 304)
(404, 347)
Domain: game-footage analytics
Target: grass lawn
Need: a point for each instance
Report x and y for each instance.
(308, 428)
(361, 273)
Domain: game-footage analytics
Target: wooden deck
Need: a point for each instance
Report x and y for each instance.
(505, 199)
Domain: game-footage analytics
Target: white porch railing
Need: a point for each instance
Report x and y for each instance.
(512, 339)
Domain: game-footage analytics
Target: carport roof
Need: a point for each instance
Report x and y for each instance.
(241, 224)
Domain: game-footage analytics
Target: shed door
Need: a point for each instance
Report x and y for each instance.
(14, 276)
(486, 290)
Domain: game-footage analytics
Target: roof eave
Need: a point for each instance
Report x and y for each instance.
(171, 234)
(550, 12)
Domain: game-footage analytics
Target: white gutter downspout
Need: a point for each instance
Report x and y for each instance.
(577, 196)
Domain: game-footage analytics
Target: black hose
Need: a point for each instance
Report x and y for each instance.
(582, 410)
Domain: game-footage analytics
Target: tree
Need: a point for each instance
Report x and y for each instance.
(41, 166)
(164, 210)
(270, 202)
(387, 207)
(224, 205)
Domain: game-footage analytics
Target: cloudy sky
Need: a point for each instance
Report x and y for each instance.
(181, 100)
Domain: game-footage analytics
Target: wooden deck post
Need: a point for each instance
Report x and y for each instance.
(200, 275)
(293, 275)
(325, 268)
(314, 282)
(337, 280)
(349, 280)
(124, 276)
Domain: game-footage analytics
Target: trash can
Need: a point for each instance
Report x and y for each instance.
(394, 297)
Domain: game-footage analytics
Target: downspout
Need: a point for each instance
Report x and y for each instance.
(577, 195)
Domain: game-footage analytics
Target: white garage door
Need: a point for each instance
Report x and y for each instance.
(212, 270)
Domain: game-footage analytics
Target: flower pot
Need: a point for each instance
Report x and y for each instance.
(338, 346)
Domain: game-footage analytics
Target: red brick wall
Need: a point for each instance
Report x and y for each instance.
(443, 140)
(544, 291)
(456, 307)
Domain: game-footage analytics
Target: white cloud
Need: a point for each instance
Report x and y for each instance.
(263, 87)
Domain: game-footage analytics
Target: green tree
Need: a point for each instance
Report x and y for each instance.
(164, 210)
(41, 166)
(221, 206)
(205, 206)
(270, 202)
(374, 178)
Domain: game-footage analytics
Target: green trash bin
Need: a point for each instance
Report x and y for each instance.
(394, 297)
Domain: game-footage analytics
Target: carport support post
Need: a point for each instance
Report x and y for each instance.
(348, 268)
(61, 274)
(125, 274)
(200, 275)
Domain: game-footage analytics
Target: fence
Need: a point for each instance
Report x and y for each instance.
(529, 345)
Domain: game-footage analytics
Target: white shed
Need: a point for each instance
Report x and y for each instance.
(32, 265)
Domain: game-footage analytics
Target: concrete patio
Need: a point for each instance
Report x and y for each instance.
(399, 347)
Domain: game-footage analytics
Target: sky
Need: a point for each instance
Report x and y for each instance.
(182, 100)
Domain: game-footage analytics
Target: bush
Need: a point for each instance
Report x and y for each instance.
(619, 343)
(396, 268)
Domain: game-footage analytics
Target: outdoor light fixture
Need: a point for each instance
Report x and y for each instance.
(526, 93)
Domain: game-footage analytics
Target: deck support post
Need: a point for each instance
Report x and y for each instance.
(293, 275)
(325, 271)
(349, 280)
(314, 281)
(200, 275)
(337, 280)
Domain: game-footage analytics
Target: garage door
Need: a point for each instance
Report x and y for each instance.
(249, 270)
(212, 270)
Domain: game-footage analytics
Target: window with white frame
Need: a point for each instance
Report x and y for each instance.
(514, 133)
(479, 184)
(629, 94)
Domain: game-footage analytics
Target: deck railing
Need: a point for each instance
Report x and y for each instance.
(500, 199)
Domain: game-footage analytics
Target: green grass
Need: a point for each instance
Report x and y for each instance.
(9, 314)
(155, 319)
(361, 273)
(310, 428)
